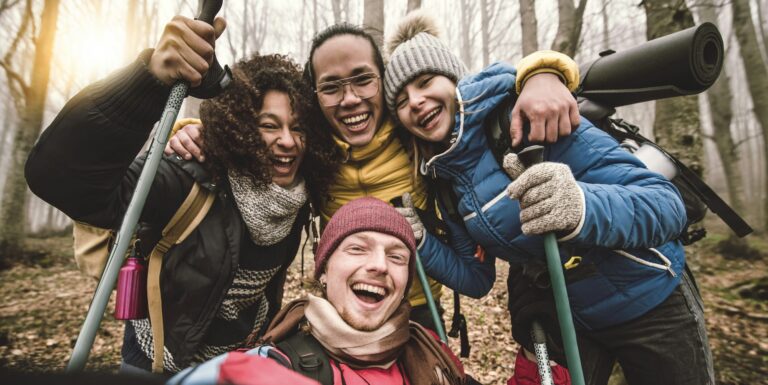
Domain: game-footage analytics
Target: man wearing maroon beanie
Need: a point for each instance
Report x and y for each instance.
(359, 321)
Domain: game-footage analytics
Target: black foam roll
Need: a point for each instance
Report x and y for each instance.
(682, 63)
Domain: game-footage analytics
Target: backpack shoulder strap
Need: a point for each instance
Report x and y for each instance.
(187, 217)
(308, 357)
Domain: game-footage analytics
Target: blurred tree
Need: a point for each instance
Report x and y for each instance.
(676, 124)
(757, 76)
(528, 25)
(373, 20)
(31, 98)
(412, 5)
(569, 26)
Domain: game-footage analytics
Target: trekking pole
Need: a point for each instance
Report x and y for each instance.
(529, 156)
(430, 301)
(542, 356)
(208, 9)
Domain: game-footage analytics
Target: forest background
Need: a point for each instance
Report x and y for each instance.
(50, 49)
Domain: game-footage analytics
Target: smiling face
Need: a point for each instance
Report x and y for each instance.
(426, 107)
(279, 129)
(354, 119)
(366, 277)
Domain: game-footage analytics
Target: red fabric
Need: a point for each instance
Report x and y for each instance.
(527, 372)
(244, 369)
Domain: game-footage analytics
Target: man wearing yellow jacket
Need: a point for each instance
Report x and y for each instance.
(345, 68)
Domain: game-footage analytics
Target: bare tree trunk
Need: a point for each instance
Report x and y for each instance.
(604, 18)
(757, 76)
(484, 26)
(12, 214)
(676, 125)
(528, 25)
(373, 20)
(315, 18)
(413, 5)
(761, 26)
(719, 97)
(336, 5)
(465, 31)
(569, 26)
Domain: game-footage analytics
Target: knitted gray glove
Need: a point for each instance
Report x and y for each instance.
(550, 198)
(409, 212)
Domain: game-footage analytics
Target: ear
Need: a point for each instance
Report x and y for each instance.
(322, 279)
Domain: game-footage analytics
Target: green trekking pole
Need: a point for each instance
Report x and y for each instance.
(398, 202)
(430, 300)
(208, 9)
(529, 156)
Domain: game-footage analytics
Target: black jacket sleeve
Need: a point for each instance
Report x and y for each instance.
(83, 163)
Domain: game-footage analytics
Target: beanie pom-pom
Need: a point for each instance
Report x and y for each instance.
(414, 23)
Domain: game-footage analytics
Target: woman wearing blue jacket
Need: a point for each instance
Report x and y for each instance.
(617, 222)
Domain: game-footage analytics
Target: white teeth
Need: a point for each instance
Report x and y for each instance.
(369, 288)
(283, 159)
(355, 119)
(429, 116)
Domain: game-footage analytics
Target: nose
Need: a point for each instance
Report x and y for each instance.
(377, 262)
(415, 100)
(348, 96)
(286, 139)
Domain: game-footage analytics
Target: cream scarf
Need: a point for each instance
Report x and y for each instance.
(268, 210)
(380, 347)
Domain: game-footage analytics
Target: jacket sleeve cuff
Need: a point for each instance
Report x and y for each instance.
(547, 62)
(578, 228)
(132, 97)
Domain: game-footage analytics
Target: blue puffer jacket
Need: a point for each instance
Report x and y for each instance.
(631, 260)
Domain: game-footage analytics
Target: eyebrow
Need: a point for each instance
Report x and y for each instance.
(267, 115)
(357, 71)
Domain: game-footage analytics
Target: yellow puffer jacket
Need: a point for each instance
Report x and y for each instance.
(381, 169)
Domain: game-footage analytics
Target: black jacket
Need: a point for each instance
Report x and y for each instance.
(84, 165)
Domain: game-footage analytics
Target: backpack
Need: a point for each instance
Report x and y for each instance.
(92, 245)
(307, 357)
(697, 196)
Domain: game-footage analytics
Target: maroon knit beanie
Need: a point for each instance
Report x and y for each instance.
(364, 214)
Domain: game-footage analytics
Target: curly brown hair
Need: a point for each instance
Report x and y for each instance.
(233, 141)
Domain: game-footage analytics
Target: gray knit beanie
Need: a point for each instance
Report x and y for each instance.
(416, 49)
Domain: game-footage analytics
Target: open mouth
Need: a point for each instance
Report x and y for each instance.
(356, 122)
(424, 122)
(369, 293)
(283, 163)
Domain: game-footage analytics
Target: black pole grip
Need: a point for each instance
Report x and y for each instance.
(533, 154)
(217, 78)
(207, 10)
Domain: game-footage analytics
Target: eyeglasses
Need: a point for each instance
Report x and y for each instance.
(364, 86)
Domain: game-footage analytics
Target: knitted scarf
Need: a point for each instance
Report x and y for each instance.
(423, 357)
(268, 210)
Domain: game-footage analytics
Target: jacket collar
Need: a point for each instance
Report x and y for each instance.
(380, 140)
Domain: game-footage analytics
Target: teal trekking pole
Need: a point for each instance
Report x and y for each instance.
(529, 156)
(398, 202)
(430, 301)
(207, 11)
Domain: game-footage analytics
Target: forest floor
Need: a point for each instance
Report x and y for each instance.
(43, 303)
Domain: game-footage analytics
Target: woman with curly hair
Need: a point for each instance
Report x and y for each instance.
(225, 280)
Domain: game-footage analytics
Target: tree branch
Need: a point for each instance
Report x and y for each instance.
(7, 4)
(20, 33)
(21, 90)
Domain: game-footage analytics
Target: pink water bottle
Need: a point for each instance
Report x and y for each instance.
(131, 298)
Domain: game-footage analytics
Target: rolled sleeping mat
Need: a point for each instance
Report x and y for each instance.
(682, 63)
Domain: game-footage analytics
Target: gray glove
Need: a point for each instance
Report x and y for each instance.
(550, 198)
(409, 212)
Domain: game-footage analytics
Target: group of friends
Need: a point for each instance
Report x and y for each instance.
(343, 138)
